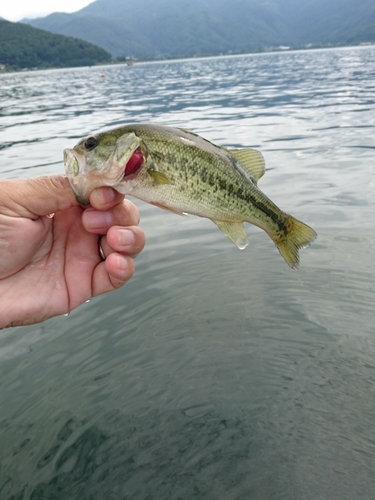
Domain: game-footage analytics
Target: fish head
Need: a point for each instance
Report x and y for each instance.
(103, 160)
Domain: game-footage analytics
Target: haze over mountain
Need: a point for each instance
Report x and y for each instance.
(173, 28)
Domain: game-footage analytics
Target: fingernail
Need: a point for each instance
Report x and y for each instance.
(105, 195)
(96, 220)
(122, 263)
(125, 237)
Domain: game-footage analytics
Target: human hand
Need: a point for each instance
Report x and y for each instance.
(49, 266)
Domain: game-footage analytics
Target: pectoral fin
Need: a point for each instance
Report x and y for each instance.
(251, 159)
(158, 177)
(234, 231)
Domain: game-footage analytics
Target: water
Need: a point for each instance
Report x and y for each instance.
(214, 374)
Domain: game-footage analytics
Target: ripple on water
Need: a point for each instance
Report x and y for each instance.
(214, 373)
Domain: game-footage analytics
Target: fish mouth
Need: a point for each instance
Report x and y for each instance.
(88, 170)
(74, 163)
(71, 163)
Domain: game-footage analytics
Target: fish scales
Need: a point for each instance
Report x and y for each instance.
(195, 171)
(182, 172)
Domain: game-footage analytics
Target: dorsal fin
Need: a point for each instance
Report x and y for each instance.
(251, 159)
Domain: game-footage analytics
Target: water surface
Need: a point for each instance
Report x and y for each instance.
(214, 374)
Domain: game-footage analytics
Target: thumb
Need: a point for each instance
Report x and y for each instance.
(32, 198)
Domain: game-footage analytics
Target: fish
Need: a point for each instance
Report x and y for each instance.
(180, 171)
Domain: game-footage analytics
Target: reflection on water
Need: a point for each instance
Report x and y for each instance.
(214, 373)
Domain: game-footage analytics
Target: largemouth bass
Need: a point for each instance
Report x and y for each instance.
(180, 171)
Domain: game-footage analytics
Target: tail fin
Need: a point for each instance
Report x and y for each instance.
(298, 235)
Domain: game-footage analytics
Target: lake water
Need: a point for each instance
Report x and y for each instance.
(214, 374)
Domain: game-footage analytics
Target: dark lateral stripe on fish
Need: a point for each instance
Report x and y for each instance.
(229, 189)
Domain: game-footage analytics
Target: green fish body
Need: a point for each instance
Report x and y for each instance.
(182, 172)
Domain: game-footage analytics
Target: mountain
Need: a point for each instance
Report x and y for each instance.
(173, 28)
(22, 46)
(333, 21)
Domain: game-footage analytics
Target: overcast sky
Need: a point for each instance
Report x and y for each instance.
(15, 10)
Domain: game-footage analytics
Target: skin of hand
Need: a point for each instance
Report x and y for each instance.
(51, 265)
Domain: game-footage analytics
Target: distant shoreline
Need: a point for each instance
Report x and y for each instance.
(132, 62)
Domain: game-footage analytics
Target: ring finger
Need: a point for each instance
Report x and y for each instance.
(127, 241)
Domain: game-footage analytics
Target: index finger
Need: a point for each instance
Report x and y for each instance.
(104, 198)
(35, 197)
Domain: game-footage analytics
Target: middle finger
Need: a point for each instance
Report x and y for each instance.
(99, 222)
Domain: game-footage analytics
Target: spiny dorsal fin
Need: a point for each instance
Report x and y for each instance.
(251, 159)
(186, 131)
(193, 134)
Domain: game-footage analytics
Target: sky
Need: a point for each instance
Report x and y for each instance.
(15, 10)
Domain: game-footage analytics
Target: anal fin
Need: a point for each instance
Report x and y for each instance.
(235, 231)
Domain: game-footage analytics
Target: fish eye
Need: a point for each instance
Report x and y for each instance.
(91, 143)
